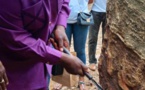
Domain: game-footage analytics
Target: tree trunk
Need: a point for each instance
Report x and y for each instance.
(122, 60)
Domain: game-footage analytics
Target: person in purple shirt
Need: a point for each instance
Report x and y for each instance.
(25, 28)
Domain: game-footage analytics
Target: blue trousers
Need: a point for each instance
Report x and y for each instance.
(79, 34)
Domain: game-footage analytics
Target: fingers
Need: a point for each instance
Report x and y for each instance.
(60, 44)
(61, 37)
(66, 42)
(81, 72)
(54, 43)
(78, 70)
(73, 64)
(85, 68)
(63, 43)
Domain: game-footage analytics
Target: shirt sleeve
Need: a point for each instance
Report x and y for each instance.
(64, 13)
(21, 44)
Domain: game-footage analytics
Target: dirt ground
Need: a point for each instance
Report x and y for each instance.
(88, 84)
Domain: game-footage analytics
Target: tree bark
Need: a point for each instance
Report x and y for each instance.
(122, 61)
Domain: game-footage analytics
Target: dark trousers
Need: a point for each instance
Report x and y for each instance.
(99, 17)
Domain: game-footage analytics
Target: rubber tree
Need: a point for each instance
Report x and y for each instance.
(122, 60)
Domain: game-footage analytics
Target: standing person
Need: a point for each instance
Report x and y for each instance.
(25, 27)
(79, 32)
(99, 16)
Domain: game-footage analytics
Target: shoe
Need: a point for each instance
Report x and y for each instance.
(81, 85)
(92, 66)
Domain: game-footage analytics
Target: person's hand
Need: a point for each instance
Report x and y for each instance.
(90, 1)
(3, 77)
(61, 38)
(54, 43)
(73, 64)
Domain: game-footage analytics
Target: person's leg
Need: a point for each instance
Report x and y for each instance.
(79, 37)
(69, 32)
(93, 38)
(48, 81)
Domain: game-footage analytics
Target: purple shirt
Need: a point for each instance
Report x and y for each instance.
(25, 26)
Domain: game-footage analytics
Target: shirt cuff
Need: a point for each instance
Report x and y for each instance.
(53, 55)
(62, 20)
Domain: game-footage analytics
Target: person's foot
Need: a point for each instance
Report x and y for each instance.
(92, 66)
(81, 85)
